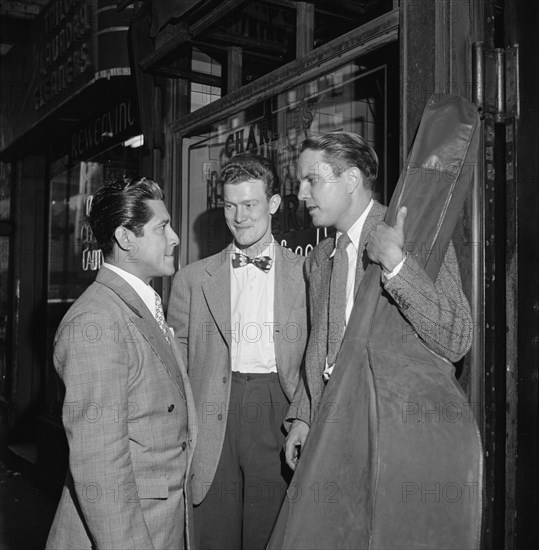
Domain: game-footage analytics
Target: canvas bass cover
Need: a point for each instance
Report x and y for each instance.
(393, 459)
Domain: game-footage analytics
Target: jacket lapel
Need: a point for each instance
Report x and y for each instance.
(375, 215)
(149, 328)
(321, 270)
(285, 294)
(286, 284)
(145, 323)
(216, 290)
(319, 282)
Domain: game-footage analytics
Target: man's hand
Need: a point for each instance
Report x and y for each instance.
(385, 244)
(294, 442)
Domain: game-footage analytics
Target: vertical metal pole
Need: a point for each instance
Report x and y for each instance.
(477, 257)
(478, 75)
(499, 116)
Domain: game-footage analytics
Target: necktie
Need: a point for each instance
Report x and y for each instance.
(337, 298)
(262, 262)
(160, 317)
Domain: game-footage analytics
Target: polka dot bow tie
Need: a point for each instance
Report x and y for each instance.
(262, 262)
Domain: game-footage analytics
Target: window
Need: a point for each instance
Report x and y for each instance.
(352, 97)
(73, 254)
(202, 94)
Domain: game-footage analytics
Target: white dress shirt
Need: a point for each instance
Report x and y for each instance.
(352, 251)
(252, 297)
(354, 233)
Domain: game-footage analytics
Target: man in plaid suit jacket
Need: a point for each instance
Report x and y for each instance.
(337, 172)
(128, 410)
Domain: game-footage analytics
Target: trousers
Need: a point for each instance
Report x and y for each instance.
(242, 503)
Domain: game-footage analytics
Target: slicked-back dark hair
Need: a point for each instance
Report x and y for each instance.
(245, 166)
(343, 150)
(123, 202)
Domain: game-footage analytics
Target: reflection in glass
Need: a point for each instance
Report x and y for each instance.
(348, 98)
(73, 253)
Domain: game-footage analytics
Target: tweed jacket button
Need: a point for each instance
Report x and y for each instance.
(219, 417)
(184, 445)
(171, 408)
(224, 379)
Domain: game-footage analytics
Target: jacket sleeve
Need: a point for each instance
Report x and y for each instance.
(179, 306)
(300, 406)
(439, 312)
(93, 361)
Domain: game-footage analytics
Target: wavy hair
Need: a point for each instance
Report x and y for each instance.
(343, 150)
(123, 202)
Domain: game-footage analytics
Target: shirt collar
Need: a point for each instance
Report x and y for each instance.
(357, 227)
(146, 292)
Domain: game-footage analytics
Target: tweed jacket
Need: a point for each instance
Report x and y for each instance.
(200, 313)
(130, 421)
(438, 312)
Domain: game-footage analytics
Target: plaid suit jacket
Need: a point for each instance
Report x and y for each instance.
(130, 423)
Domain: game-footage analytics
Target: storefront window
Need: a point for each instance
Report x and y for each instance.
(350, 98)
(73, 254)
(203, 94)
(69, 266)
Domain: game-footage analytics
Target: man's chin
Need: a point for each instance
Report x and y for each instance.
(316, 222)
(169, 268)
(242, 244)
(315, 218)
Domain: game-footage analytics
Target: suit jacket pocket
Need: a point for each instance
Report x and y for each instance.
(152, 487)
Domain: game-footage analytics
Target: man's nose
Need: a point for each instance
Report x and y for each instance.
(304, 191)
(241, 214)
(173, 238)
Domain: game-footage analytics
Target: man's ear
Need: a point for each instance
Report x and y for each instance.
(354, 179)
(274, 202)
(123, 237)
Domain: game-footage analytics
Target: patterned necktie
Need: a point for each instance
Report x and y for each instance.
(337, 298)
(262, 262)
(160, 317)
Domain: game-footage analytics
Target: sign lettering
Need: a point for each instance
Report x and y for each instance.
(62, 52)
(105, 127)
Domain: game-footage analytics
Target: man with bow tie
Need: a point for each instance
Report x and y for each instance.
(240, 318)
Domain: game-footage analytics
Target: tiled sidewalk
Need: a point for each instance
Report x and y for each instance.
(26, 513)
